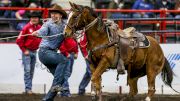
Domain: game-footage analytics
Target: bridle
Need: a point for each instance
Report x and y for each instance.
(78, 33)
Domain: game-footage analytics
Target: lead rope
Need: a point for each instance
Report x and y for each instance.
(49, 36)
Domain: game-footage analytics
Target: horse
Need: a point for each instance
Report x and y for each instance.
(138, 61)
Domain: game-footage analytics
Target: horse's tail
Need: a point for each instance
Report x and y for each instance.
(167, 74)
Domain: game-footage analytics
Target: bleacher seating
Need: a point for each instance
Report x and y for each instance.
(141, 25)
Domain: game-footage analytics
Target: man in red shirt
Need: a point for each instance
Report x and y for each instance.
(28, 45)
(69, 48)
(82, 42)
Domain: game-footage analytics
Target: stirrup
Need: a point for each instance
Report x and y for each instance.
(121, 71)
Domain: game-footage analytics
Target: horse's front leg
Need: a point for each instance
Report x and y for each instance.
(93, 89)
(96, 76)
(96, 92)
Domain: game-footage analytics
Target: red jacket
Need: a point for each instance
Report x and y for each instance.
(28, 42)
(83, 44)
(68, 46)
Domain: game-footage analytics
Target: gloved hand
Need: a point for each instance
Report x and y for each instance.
(68, 56)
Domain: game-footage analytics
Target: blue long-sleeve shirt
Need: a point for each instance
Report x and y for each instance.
(141, 5)
(50, 28)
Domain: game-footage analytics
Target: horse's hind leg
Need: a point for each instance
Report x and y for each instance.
(151, 76)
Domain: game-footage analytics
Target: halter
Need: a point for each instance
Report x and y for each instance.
(78, 34)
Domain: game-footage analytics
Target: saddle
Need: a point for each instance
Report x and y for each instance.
(137, 40)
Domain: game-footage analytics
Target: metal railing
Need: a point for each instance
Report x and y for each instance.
(122, 22)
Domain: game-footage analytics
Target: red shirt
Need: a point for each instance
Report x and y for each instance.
(28, 42)
(69, 45)
(83, 44)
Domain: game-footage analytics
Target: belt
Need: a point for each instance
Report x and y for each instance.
(48, 48)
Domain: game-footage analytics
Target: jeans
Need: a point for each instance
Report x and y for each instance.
(56, 64)
(21, 25)
(86, 79)
(29, 65)
(67, 74)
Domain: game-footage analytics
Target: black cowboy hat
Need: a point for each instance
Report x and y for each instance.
(34, 14)
(57, 8)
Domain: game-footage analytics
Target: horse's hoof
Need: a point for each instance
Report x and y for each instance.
(147, 99)
(94, 98)
(123, 99)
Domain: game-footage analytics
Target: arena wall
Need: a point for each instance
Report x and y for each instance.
(11, 73)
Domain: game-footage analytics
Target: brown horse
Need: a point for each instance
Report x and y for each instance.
(138, 62)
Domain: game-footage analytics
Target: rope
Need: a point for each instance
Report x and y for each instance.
(30, 35)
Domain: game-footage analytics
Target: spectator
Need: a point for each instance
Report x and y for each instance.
(41, 3)
(69, 48)
(13, 3)
(29, 45)
(143, 5)
(4, 3)
(118, 4)
(165, 5)
(101, 4)
(55, 62)
(28, 2)
(82, 42)
(20, 14)
(46, 3)
(177, 7)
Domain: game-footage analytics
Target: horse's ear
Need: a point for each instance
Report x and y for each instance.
(74, 7)
(77, 7)
(71, 4)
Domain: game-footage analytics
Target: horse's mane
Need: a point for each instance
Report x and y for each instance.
(101, 25)
(93, 13)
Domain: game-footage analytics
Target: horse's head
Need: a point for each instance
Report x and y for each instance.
(78, 19)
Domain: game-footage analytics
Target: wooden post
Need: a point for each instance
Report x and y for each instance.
(120, 90)
(44, 88)
(162, 89)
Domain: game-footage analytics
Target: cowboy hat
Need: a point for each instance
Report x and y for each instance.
(34, 14)
(57, 8)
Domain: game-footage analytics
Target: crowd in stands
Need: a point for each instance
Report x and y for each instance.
(138, 5)
(99, 4)
(21, 14)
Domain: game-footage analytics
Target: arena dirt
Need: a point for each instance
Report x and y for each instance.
(106, 97)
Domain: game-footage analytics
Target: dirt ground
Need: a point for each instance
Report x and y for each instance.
(106, 97)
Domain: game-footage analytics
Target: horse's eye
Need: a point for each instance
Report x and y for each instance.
(75, 17)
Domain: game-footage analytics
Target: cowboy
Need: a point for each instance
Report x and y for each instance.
(55, 62)
(69, 48)
(28, 45)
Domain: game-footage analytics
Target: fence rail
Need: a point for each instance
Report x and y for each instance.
(122, 22)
